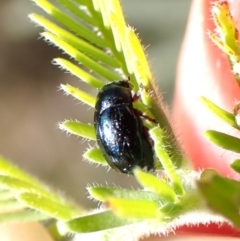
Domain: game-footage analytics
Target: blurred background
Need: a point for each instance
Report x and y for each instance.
(31, 105)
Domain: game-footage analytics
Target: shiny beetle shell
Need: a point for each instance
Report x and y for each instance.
(119, 129)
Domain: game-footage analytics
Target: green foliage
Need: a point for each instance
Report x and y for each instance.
(78, 128)
(25, 199)
(95, 222)
(222, 195)
(226, 35)
(156, 185)
(224, 115)
(29, 200)
(103, 48)
(236, 165)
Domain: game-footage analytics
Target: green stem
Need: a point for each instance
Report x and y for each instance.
(172, 146)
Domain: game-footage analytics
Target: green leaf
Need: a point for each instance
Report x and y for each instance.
(95, 222)
(132, 208)
(222, 195)
(81, 74)
(8, 169)
(79, 95)
(236, 165)
(81, 57)
(78, 128)
(160, 147)
(70, 23)
(223, 140)
(19, 191)
(18, 186)
(138, 60)
(49, 207)
(95, 155)
(104, 193)
(78, 12)
(75, 41)
(227, 117)
(156, 185)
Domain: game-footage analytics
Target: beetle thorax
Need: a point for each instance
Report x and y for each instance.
(113, 97)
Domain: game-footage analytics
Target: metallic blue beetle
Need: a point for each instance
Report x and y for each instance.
(119, 129)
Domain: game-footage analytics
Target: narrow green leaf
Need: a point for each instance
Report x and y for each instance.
(95, 4)
(95, 155)
(118, 39)
(49, 207)
(138, 61)
(104, 193)
(42, 197)
(160, 147)
(114, 29)
(168, 138)
(77, 11)
(75, 41)
(154, 184)
(78, 72)
(128, 208)
(228, 117)
(69, 22)
(8, 169)
(82, 58)
(235, 165)
(22, 216)
(18, 186)
(116, 7)
(79, 128)
(79, 94)
(100, 7)
(95, 222)
(171, 211)
(112, 25)
(222, 195)
(223, 140)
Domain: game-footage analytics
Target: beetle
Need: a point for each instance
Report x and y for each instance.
(119, 129)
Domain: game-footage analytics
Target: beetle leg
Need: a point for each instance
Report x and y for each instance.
(136, 96)
(141, 114)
